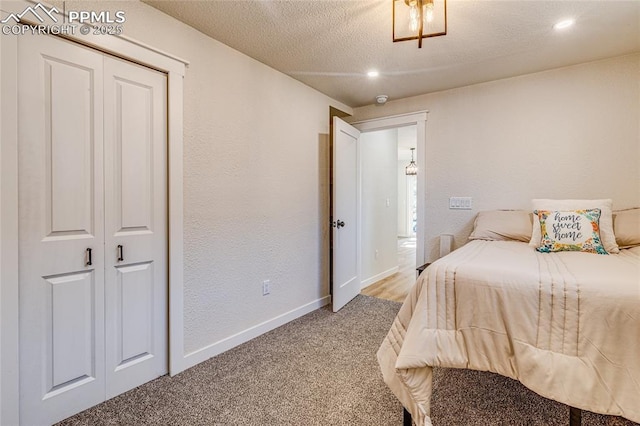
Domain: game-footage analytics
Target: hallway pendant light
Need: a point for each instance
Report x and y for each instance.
(418, 19)
(412, 168)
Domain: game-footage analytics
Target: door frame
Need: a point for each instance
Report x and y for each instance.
(419, 119)
(131, 50)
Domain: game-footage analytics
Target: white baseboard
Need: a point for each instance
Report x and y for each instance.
(378, 277)
(230, 342)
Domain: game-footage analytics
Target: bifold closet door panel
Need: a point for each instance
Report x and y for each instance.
(135, 224)
(61, 229)
(92, 228)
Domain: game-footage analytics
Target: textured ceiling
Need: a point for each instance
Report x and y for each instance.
(330, 45)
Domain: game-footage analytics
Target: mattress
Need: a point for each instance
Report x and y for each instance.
(566, 325)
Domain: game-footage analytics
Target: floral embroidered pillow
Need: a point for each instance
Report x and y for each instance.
(573, 230)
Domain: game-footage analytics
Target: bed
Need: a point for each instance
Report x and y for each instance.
(566, 324)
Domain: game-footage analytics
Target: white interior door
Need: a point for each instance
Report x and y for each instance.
(135, 224)
(346, 199)
(61, 217)
(92, 228)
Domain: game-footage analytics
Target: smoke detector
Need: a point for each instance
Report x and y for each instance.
(382, 99)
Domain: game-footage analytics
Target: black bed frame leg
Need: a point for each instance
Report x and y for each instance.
(406, 418)
(575, 416)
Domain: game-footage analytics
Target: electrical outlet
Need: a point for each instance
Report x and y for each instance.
(266, 287)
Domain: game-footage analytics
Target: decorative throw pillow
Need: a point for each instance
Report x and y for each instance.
(573, 230)
(502, 225)
(626, 225)
(606, 220)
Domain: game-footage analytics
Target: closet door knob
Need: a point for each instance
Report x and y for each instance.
(120, 253)
(88, 257)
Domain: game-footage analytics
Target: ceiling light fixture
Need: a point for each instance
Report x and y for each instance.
(418, 19)
(412, 168)
(373, 74)
(564, 24)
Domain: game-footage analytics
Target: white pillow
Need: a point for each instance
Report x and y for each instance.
(606, 221)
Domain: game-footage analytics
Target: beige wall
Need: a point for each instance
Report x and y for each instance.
(567, 133)
(255, 182)
(378, 225)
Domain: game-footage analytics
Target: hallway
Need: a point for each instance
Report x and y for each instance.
(397, 286)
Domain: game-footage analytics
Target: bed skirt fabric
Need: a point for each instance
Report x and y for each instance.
(566, 325)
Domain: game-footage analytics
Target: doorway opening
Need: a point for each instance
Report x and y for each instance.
(364, 168)
(389, 213)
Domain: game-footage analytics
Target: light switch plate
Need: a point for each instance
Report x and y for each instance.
(460, 203)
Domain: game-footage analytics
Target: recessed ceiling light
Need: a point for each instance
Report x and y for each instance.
(564, 24)
(373, 73)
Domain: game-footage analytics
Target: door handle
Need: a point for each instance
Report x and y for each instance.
(120, 253)
(340, 224)
(88, 257)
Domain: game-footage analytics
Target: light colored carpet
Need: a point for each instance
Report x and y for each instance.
(321, 369)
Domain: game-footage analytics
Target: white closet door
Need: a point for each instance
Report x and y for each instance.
(62, 353)
(135, 224)
(92, 182)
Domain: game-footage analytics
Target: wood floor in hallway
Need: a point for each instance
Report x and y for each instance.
(397, 286)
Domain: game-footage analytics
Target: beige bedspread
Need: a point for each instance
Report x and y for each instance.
(566, 325)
